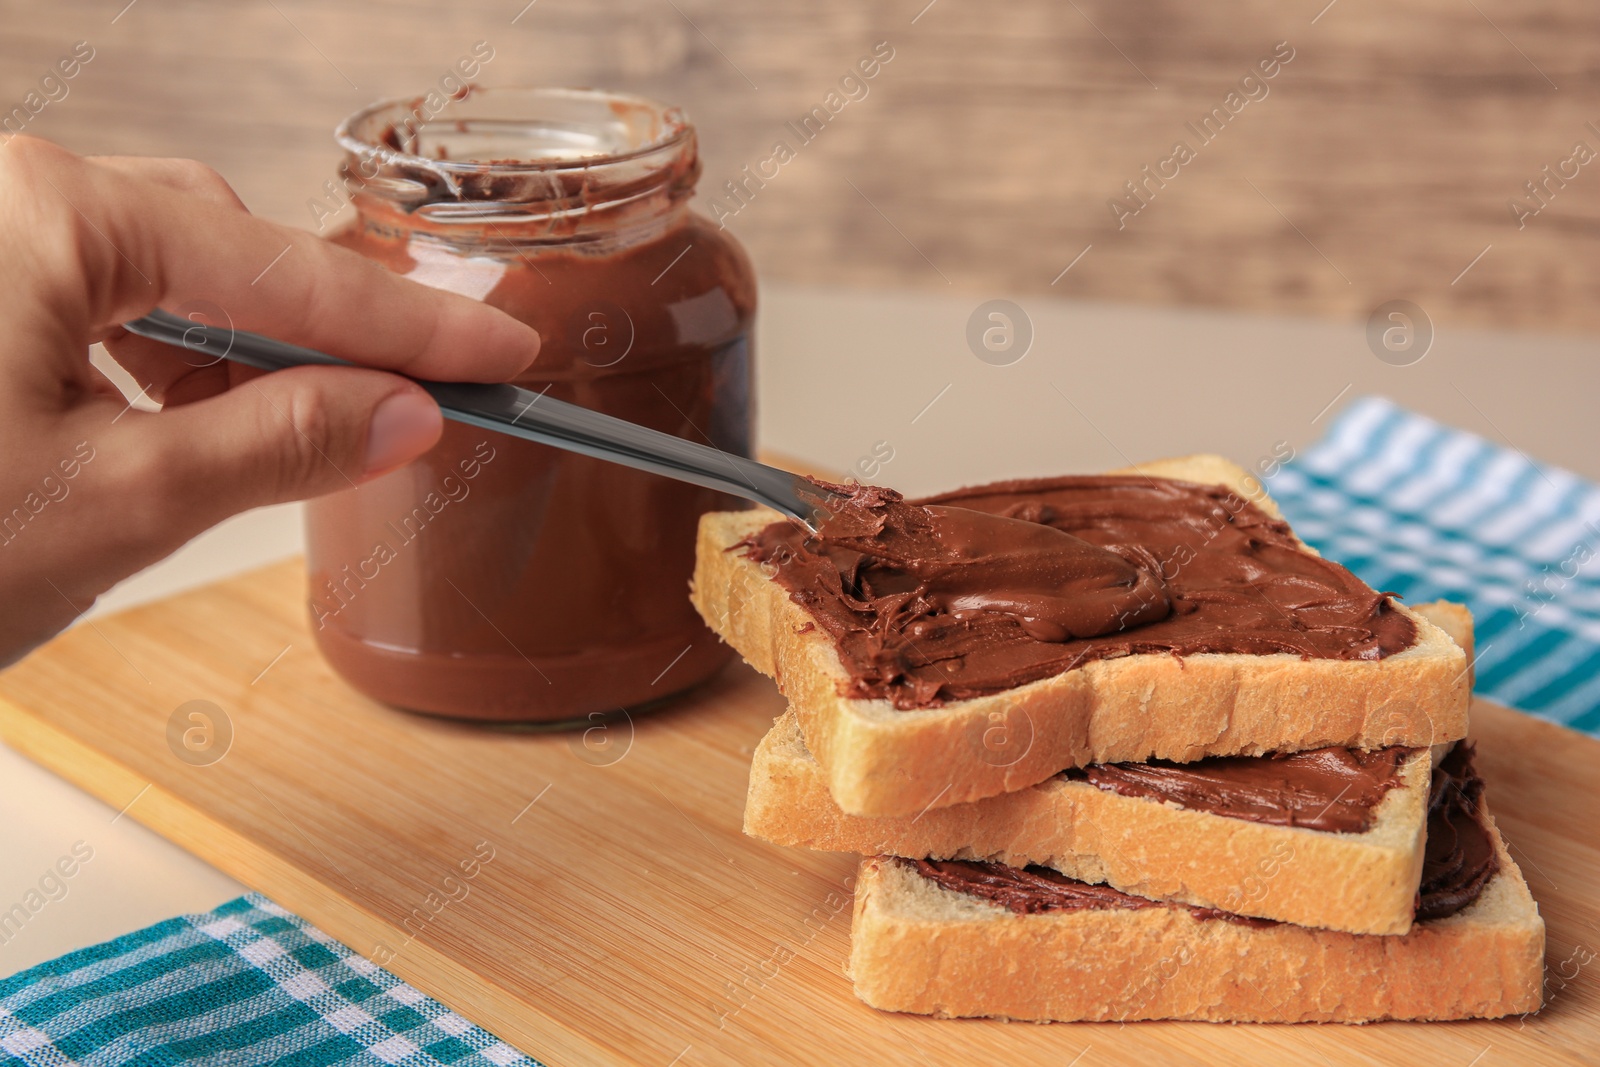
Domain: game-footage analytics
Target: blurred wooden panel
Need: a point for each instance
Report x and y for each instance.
(1378, 165)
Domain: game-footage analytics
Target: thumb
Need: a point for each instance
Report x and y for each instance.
(288, 435)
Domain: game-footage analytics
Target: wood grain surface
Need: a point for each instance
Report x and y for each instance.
(1379, 163)
(590, 897)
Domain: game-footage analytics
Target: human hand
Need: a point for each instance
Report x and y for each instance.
(93, 490)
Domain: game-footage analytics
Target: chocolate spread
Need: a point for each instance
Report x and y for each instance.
(963, 563)
(1461, 856)
(1334, 789)
(1237, 580)
(1459, 861)
(1032, 890)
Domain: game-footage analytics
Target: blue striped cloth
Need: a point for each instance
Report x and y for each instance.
(1428, 511)
(243, 985)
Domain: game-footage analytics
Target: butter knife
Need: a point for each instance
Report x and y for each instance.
(532, 416)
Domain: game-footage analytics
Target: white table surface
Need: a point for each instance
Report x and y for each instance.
(840, 372)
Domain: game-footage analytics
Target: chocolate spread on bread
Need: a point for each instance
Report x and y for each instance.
(1032, 890)
(1334, 789)
(963, 563)
(1459, 861)
(1210, 572)
(1460, 857)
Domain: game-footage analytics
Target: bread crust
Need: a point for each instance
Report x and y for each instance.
(883, 761)
(1358, 882)
(917, 947)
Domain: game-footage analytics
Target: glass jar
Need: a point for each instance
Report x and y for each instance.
(495, 578)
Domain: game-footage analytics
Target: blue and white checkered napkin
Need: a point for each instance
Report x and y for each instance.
(1428, 511)
(245, 984)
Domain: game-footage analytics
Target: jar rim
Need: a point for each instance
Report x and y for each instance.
(676, 129)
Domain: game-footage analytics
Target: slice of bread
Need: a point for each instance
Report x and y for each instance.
(1360, 882)
(919, 947)
(883, 761)
(1364, 883)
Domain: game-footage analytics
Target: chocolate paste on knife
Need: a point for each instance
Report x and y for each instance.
(1235, 578)
(1458, 862)
(1333, 789)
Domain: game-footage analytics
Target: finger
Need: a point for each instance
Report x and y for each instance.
(183, 175)
(155, 480)
(141, 244)
(288, 435)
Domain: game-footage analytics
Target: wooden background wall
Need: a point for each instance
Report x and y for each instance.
(1379, 165)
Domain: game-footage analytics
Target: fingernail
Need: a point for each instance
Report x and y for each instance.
(402, 428)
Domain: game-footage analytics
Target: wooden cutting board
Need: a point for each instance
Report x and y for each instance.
(592, 899)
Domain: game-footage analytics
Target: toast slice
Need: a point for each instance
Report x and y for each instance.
(1359, 882)
(917, 946)
(1363, 883)
(880, 760)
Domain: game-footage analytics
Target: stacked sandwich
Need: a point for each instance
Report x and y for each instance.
(1221, 779)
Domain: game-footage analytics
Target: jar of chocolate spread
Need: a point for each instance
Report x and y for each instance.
(495, 578)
